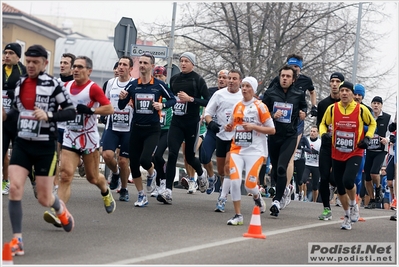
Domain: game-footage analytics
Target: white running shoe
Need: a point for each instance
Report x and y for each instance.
(141, 201)
(332, 190)
(346, 224)
(6, 188)
(151, 182)
(192, 186)
(283, 201)
(155, 192)
(275, 208)
(162, 186)
(236, 220)
(211, 184)
(354, 213)
(220, 204)
(165, 196)
(292, 191)
(203, 182)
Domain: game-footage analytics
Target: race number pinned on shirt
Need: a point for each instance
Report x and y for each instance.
(143, 103)
(312, 158)
(180, 108)
(162, 119)
(120, 120)
(28, 125)
(76, 124)
(298, 154)
(345, 141)
(6, 101)
(228, 113)
(375, 142)
(242, 137)
(286, 108)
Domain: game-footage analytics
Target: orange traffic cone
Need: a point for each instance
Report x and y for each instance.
(7, 257)
(255, 228)
(361, 219)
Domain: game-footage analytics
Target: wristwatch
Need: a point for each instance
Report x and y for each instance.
(191, 99)
(93, 110)
(49, 115)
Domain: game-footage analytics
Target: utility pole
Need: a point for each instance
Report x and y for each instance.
(355, 59)
(171, 44)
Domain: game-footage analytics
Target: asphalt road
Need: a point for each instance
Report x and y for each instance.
(188, 232)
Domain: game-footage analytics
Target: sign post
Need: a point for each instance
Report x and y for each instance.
(125, 34)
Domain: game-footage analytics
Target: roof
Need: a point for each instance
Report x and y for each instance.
(11, 14)
(101, 52)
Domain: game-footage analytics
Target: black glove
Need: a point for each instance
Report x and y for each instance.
(83, 109)
(364, 144)
(313, 111)
(392, 138)
(103, 119)
(11, 94)
(326, 139)
(314, 151)
(213, 126)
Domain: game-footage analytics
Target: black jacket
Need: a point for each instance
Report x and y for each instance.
(293, 96)
(322, 107)
(9, 83)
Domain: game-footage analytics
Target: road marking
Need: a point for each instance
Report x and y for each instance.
(227, 241)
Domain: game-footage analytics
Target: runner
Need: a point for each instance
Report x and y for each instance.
(348, 138)
(251, 122)
(37, 98)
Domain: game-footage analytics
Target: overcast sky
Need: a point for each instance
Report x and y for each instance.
(139, 11)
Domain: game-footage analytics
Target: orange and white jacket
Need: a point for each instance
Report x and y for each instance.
(250, 142)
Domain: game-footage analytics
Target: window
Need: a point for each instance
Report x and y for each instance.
(49, 65)
(23, 48)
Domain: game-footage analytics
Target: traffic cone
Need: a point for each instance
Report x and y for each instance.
(7, 257)
(255, 228)
(361, 219)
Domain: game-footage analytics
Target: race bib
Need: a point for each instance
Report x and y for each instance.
(374, 142)
(76, 124)
(228, 113)
(298, 154)
(312, 158)
(286, 108)
(242, 137)
(143, 103)
(345, 141)
(162, 119)
(28, 125)
(120, 120)
(6, 101)
(180, 108)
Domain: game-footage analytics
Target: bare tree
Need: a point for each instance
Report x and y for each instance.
(256, 37)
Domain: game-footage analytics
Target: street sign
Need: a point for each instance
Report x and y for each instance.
(175, 70)
(156, 51)
(125, 34)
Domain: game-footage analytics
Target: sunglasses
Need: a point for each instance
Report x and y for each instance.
(79, 67)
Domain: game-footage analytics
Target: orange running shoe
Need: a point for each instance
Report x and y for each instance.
(393, 204)
(17, 247)
(66, 218)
